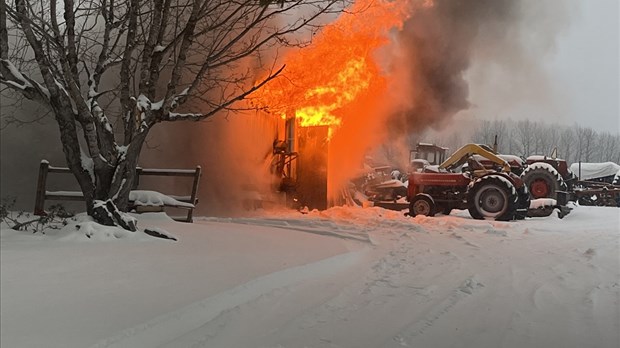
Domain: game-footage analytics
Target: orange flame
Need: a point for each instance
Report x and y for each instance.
(339, 67)
(338, 82)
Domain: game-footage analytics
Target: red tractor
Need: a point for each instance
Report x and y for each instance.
(545, 177)
(462, 182)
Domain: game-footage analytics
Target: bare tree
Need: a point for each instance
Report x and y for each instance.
(567, 146)
(524, 137)
(545, 138)
(483, 133)
(585, 143)
(608, 147)
(110, 70)
(553, 138)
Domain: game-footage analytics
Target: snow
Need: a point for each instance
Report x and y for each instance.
(13, 70)
(344, 277)
(595, 170)
(542, 202)
(501, 178)
(143, 102)
(176, 115)
(65, 193)
(25, 83)
(175, 100)
(154, 198)
(16, 85)
(543, 165)
(183, 171)
(511, 158)
(122, 150)
(538, 158)
(158, 105)
(88, 164)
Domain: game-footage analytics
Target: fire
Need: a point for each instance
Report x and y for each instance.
(338, 69)
(341, 81)
(343, 89)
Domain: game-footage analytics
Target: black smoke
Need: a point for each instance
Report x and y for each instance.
(437, 47)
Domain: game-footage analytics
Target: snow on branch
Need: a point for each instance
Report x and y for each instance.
(12, 77)
(175, 116)
(16, 74)
(145, 104)
(179, 98)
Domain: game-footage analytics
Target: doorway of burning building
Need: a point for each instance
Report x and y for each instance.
(313, 150)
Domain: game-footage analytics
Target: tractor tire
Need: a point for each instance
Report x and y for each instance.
(492, 197)
(542, 182)
(422, 204)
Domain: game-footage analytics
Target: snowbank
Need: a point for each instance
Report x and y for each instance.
(154, 198)
(345, 277)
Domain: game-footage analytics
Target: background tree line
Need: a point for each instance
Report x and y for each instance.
(526, 138)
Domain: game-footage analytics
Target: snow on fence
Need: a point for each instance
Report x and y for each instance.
(140, 200)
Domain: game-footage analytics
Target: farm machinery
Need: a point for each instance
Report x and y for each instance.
(598, 184)
(477, 179)
(551, 177)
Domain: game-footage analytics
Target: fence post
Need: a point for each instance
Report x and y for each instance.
(136, 179)
(190, 212)
(39, 203)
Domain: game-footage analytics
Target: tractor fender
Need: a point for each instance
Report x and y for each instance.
(514, 179)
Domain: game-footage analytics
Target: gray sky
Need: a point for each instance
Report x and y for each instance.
(578, 77)
(586, 66)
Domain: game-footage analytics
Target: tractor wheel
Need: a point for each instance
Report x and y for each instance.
(492, 197)
(543, 182)
(422, 204)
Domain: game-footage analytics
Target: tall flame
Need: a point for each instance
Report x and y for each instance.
(339, 67)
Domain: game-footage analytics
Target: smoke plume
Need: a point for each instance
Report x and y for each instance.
(439, 44)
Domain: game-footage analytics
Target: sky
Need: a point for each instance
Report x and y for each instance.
(579, 77)
(587, 65)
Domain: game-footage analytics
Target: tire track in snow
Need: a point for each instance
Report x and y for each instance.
(395, 287)
(323, 228)
(168, 326)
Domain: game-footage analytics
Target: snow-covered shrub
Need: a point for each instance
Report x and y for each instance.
(55, 217)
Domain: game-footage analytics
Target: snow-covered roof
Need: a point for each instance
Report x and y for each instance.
(589, 171)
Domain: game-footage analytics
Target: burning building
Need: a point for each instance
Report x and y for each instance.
(326, 99)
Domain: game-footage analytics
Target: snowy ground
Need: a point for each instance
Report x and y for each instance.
(345, 277)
